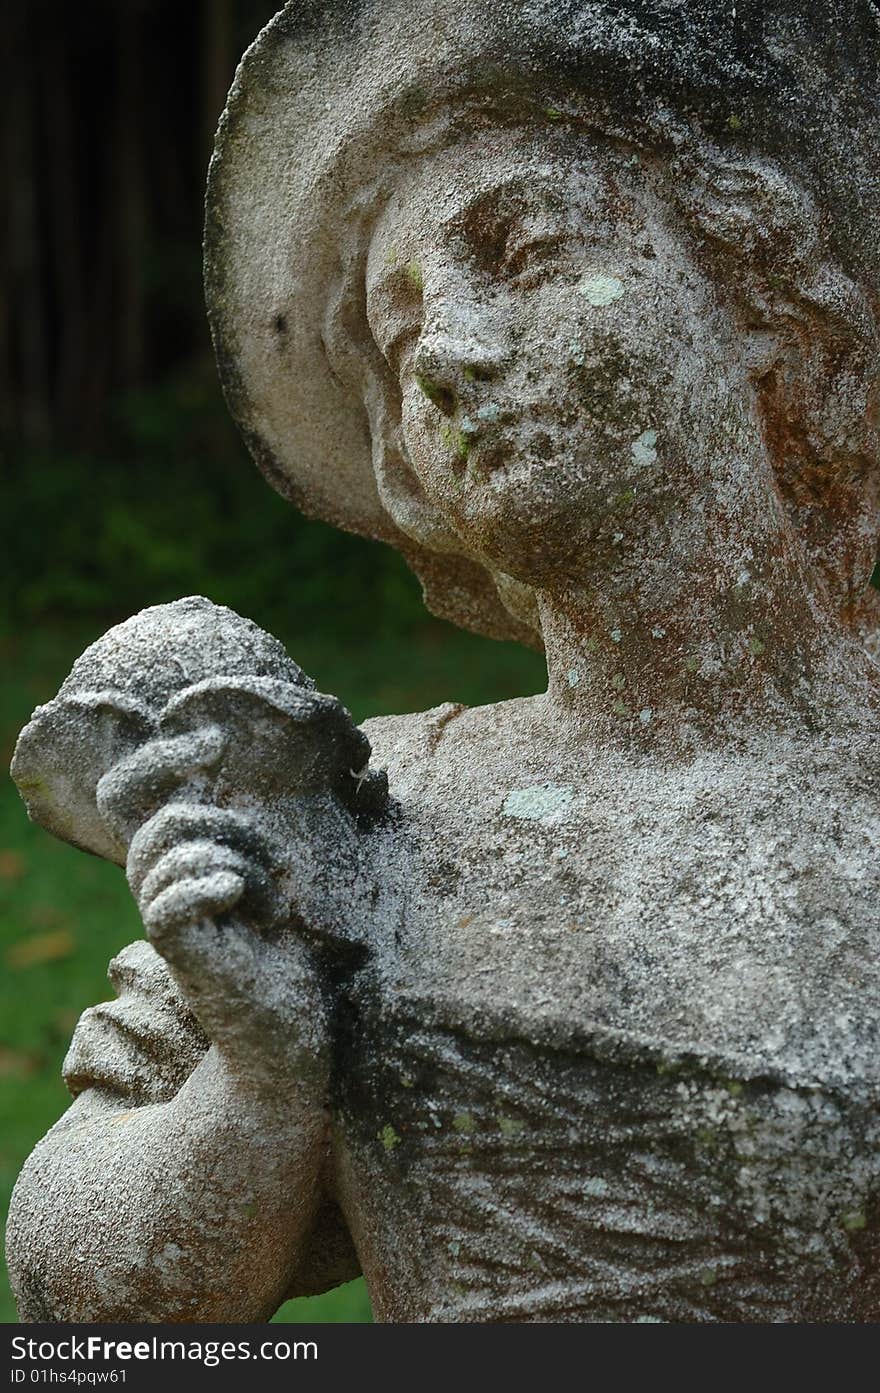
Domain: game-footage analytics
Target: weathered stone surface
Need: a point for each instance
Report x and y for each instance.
(577, 1017)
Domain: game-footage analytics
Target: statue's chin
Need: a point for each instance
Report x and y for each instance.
(538, 535)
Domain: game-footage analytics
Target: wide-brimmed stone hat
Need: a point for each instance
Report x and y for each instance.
(336, 97)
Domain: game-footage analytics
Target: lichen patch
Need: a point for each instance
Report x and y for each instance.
(600, 290)
(643, 448)
(543, 803)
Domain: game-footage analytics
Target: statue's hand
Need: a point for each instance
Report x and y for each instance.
(186, 745)
(208, 883)
(191, 862)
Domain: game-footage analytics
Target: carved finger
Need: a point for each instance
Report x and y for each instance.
(190, 822)
(186, 902)
(135, 787)
(195, 860)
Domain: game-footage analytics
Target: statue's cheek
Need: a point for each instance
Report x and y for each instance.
(435, 444)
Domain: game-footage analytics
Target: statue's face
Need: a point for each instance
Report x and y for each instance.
(558, 353)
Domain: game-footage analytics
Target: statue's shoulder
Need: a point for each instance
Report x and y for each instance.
(422, 744)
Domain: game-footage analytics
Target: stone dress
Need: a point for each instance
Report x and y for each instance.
(557, 1101)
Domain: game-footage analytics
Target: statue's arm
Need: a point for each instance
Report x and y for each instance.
(172, 1189)
(186, 1182)
(192, 1210)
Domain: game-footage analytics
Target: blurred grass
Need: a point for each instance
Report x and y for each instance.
(63, 914)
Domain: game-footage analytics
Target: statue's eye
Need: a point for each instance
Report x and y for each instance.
(535, 259)
(484, 241)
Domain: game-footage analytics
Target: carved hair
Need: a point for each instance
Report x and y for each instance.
(766, 247)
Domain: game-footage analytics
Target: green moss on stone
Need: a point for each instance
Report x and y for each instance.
(388, 1137)
(456, 441)
(510, 1126)
(414, 275)
(854, 1221)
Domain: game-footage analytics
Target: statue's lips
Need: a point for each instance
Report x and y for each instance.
(538, 455)
(510, 441)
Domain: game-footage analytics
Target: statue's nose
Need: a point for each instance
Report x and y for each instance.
(450, 361)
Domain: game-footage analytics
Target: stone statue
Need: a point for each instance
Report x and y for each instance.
(576, 304)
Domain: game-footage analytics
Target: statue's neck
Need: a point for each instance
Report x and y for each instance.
(710, 631)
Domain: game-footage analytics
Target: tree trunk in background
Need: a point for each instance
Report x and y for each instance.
(218, 65)
(65, 232)
(28, 348)
(127, 188)
(109, 113)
